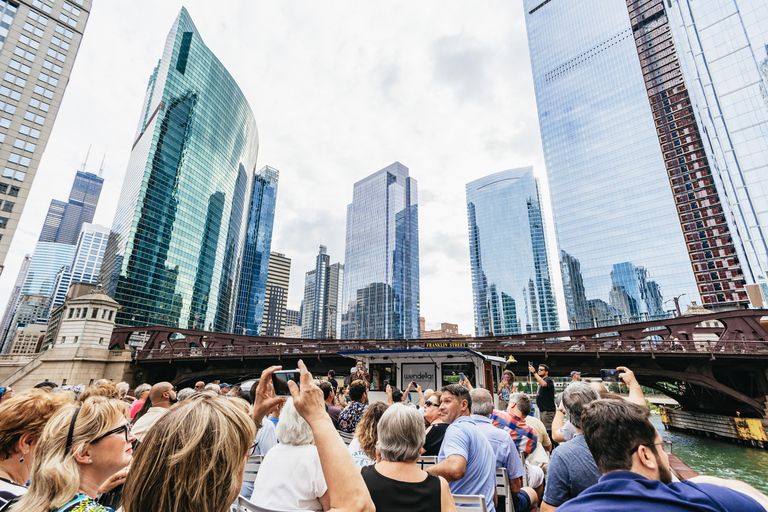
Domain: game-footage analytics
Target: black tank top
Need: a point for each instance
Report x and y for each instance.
(434, 439)
(394, 496)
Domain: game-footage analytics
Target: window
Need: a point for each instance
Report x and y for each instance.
(95, 312)
(13, 191)
(101, 341)
(63, 339)
(71, 311)
(451, 372)
(5, 123)
(8, 206)
(3, 188)
(110, 315)
(3, 222)
(77, 338)
(103, 313)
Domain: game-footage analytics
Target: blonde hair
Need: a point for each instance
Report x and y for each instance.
(101, 388)
(55, 473)
(27, 412)
(366, 431)
(190, 459)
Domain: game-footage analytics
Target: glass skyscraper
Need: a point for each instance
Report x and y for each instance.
(251, 294)
(86, 264)
(173, 252)
(511, 284)
(321, 308)
(64, 220)
(640, 215)
(381, 267)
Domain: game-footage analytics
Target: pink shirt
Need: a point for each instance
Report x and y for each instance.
(135, 407)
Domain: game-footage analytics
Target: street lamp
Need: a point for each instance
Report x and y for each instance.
(677, 303)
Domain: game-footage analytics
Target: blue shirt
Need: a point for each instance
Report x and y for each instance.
(623, 490)
(571, 470)
(503, 446)
(463, 438)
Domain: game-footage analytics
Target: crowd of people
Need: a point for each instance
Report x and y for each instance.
(99, 449)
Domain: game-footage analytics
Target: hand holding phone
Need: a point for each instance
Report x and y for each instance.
(609, 375)
(462, 378)
(280, 381)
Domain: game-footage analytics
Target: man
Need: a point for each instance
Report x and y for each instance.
(162, 396)
(545, 395)
(571, 468)
(329, 395)
(513, 422)
(466, 458)
(636, 474)
(350, 416)
(332, 380)
(360, 373)
(523, 498)
(199, 386)
(575, 376)
(224, 388)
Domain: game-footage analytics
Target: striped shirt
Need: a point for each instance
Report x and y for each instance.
(9, 491)
(524, 435)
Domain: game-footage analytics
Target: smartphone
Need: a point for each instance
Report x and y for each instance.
(530, 363)
(462, 377)
(504, 378)
(609, 375)
(280, 381)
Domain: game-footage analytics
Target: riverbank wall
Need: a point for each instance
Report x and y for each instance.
(748, 431)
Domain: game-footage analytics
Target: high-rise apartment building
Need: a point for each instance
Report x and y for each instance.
(172, 255)
(276, 295)
(381, 267)
(64, 220)
(39, 40)
(642, 214)
(252, 290)
(321, 315)
(511, 283)
(86, 264)
(292, 317)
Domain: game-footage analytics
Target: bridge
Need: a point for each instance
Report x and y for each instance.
(714, 363)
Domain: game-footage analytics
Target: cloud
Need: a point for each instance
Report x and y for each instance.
(461, 63)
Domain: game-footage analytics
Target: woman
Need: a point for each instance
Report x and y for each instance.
(142, 393)
(80, 449)
(22, 419)
(436, 429)
(290, 476)
(395, 482)
(506, 388)
(363, 446)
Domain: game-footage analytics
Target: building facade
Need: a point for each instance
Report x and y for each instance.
(511, 284)
(639, 214)
(276, 295)
(321, 315)
(381, 264)
(13, 299)
(64, 220)
(252, 291)
(86, 263)
(39, 41)
(27, 339)
(31, 310)
(176, 239)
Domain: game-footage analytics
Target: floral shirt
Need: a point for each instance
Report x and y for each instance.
(350, 417)
(83, 503)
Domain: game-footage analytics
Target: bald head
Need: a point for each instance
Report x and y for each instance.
(199, 385)
(162, 394)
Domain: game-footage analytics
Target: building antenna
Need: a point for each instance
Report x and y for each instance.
(101, 169)
(85, 162)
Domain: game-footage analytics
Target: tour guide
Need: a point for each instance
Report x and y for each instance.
(545, 395)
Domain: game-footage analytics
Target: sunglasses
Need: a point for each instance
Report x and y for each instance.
(126, 429)
(430, 404)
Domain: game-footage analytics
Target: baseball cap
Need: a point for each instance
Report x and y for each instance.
(574, 372)
(224, 385)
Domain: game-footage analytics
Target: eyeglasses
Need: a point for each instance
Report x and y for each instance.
(429, 404)
(125, 428)
(666, 446)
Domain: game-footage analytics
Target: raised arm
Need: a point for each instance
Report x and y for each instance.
(636, 395)
(541, 381)
(346, 489)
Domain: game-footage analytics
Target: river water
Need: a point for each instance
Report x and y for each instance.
(714, 457)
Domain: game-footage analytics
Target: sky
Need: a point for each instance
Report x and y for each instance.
(339, 90)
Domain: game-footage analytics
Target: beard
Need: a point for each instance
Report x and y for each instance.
(665, 473)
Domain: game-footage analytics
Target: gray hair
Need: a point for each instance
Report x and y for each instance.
(213, 387)
(401, 433)
(185, 393)
(141, 389)
(482, 402)
(575, 397)
(522, 401)
(123, 387)
(292, 428)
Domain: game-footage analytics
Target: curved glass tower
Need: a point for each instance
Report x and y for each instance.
(177, 236)
(511, 285)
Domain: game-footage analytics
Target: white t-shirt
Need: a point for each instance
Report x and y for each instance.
(290, 479)
(361, 459)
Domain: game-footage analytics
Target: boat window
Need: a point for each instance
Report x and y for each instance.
(451, 372)
(381, 375)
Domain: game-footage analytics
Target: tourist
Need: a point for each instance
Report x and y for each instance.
(523, 498)
(571, 468)
(329, 393)
(80, 449)
(199, 386)
(513, 422)
(185, 394)
(545, 395)
(575, 376)
(212, 387)
(505, 389)
(395, 482)
(266, 438)
(363, 446)
(22, 419)
(224, 388)
(359, 373)
(350, 416)
(6, 393)
(332, 380)
(161, 397)
(466, 459)
(636, 475)
(436, 430)
(141, 393)
(103, 388)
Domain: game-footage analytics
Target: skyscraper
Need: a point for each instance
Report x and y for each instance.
(31, 309)
(639, 212)
(172, 255)
(64, 220)
(13, 299)
(276, 296)
(38, 44)
(86, 264)
(321, 315)
(511, 283)
(251, 293)
(381, 267)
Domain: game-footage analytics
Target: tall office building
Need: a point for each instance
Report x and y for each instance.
(86, 264)
(39, 41)
(321, 315)
(64, 220)
(381, 267)
(31, 310)
(511, 283)
(172, 255)
(252, 289)
(641, 214)
(276, 296)
(12, 300)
